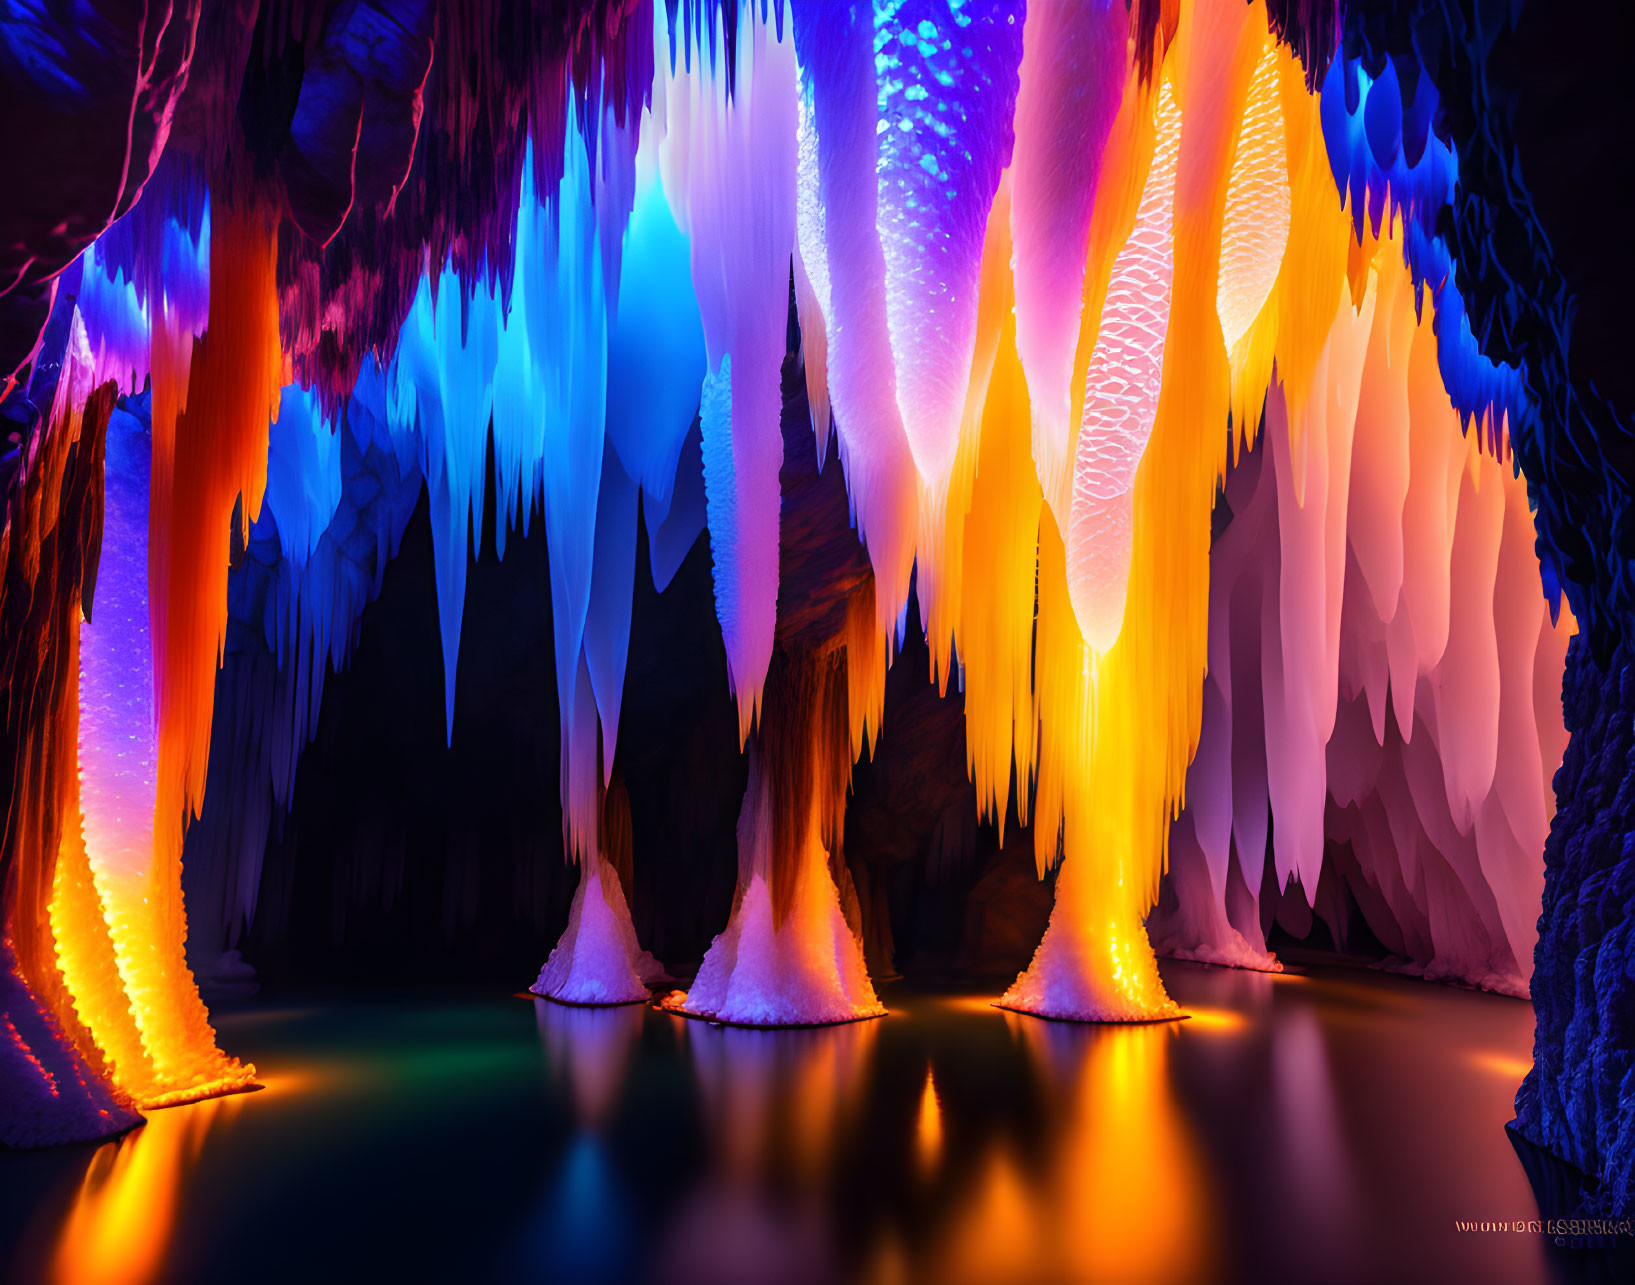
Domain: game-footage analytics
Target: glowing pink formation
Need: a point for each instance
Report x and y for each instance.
(1384, 680)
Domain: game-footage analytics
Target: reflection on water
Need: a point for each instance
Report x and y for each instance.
(1120, 1192)
(1325, 1129)
(119, 1228)
(777, 1097)
(591, 1048)
(775, 1107)
(582, 1229)
(1317, 1186)
(929, 1140)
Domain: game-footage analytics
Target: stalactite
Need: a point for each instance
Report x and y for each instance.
(1074, 66)
(730, 160)
(337, 502)
(946, 79)
(1399, 718)
(838, 79)
(1121, 397)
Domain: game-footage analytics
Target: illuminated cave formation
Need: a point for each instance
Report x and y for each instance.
(1127, 353)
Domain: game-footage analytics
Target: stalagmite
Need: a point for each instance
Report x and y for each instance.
(797, 964)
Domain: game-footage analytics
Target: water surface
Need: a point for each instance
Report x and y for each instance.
(1333, 1126)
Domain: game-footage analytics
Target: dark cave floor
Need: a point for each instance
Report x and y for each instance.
(1327, 1126)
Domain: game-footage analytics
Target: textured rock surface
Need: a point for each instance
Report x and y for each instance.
(54, 1085)
(1579, 1098)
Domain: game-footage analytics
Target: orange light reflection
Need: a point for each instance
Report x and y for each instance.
(929, 1141)
(1214, 1021)
(1121, 1195)
(1506, 1065)
(120, 1227)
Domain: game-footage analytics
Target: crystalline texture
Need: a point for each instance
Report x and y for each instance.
(1121, 397)
(946, 74)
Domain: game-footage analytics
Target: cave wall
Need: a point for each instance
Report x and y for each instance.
(1578, 1101)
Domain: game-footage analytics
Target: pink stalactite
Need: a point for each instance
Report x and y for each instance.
(1312, 454)
(1425, 810)
(1379, 478)
(1467, 679)
(1419, 629)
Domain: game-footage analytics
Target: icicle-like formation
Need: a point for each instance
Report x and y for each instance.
(730, 160)
(1121, 397)
(555, 352)
(1257, 206)
(442, 387)
(994, 512)
(1382, 676)
(149, 272)
(814, 294)
(1387, 159)
(1074, 65)
(338, 500)
(838, 80)
(946, 83)
(655, 359)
